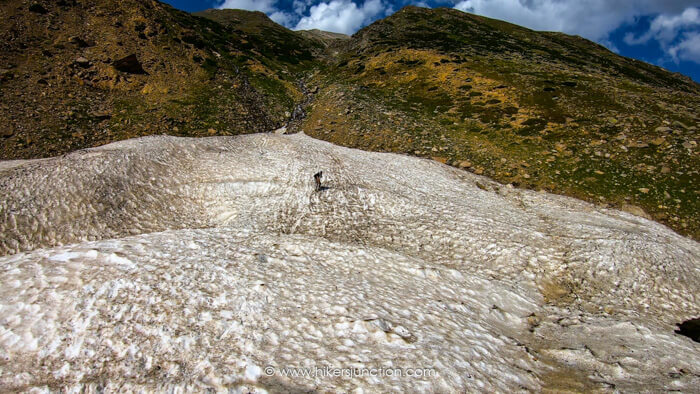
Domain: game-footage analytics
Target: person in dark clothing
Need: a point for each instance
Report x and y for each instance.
(317, 179)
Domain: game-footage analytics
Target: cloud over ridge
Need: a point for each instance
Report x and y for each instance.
(675, 24)
(341, 16)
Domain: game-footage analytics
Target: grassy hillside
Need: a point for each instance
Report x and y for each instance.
(538, 110)
(64, 87)
(268, 39)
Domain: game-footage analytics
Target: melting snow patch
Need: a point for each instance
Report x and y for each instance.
(209, 260)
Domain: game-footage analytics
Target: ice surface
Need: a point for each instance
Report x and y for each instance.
(173, 263)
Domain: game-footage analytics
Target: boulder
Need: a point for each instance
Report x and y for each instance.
(6, 74)
(658, 141)
(38, 8)
(101, 114)
(6, 132)
(464, 164)
(82, 62)
(129, 64)
(81, 43)
(635, 210)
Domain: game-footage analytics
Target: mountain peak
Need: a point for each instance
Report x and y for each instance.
(237, 17)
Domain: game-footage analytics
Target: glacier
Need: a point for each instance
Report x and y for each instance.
(213, 264)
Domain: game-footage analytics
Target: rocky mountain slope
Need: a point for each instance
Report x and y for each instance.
(268, 38)
(217, 266)
(537, 110)
(76, 74)
(543, 111)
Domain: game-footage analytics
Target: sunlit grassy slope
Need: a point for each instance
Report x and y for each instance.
(538, 110)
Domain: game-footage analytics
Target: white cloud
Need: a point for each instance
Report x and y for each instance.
(265, 6)
(300, 6)
(665, 28)
(677, 35)
(341, 16)
(687, 49)
(675, 27)
(593, 19)
(283, 18)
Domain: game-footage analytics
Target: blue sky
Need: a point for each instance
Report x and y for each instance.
(661, 32)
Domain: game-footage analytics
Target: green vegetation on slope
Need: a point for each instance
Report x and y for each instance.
(538, 110)
(189, 76)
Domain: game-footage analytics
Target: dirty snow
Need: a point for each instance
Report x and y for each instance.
(170, 263)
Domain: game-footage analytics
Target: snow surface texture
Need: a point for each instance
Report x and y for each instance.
(197, 263)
